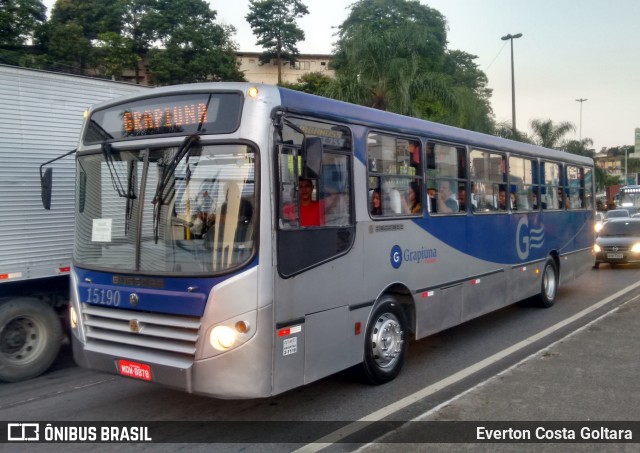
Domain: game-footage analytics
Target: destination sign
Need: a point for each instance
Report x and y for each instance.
(208, 113)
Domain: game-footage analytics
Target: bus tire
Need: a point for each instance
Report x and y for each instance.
(385, 345)
(30, 338)
(549, 284)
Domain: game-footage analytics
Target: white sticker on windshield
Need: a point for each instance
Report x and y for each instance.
(101, 231)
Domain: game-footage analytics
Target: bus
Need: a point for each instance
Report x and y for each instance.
(629, 198)
(226, 241)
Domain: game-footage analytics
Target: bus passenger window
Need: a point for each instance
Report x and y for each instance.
(446, 173)
(551, 179)
(395, 175)
(488, 177)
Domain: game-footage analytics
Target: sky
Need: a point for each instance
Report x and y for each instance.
(570, 49)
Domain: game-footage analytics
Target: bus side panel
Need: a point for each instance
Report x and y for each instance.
(572, 265)
(288, 358)
(439, 310)
(328, 336)
(525, 280)
(485, 294)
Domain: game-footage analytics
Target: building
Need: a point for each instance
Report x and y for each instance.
(268, 73)
(613, 165)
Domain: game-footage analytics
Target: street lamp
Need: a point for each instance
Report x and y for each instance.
(513, 83)
(581, 100)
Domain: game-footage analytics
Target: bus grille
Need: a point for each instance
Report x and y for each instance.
(153, 331)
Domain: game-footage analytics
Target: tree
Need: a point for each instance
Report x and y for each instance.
(550, 135)
(114, 54)
(385, 71)
(74, 26)
(505, 130)
(471, 93)
(19, 21)
(190, 46)
(392, 55)
(380, 16)
(312, 82)
(274, 23)
(580, 147)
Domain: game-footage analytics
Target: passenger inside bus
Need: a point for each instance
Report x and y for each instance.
(312, 212)
(411, 199)
(447, 201)
(502, 200)
(376, 202)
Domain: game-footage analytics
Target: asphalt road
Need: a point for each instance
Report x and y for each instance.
(438, 370)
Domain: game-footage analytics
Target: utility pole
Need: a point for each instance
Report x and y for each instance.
(581, 100)
(513, 82)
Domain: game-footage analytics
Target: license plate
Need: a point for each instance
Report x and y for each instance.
(134, 370)
(615, 256)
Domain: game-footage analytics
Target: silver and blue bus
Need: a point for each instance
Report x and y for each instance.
(240, 240)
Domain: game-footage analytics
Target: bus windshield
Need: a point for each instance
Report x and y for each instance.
(134, 214)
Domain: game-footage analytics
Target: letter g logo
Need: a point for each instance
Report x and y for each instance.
(396, 256)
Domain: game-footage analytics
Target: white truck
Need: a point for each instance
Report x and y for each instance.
(41, 114)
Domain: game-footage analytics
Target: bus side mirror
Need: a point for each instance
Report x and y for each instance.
(46, 181)
(312, 157)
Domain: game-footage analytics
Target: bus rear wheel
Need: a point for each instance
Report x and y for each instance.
(549, 284)
(30, 338)
(385, 343)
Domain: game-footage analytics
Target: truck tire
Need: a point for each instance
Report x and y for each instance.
(30, 338)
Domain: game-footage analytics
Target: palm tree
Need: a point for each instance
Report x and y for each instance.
(386, 71)
(505, 130)
(550, 135)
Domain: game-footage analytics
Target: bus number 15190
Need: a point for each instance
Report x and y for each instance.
(98, 296)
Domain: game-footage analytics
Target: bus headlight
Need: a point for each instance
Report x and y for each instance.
(222, 337)
(596, 248)
(73, 316)
(635, 248)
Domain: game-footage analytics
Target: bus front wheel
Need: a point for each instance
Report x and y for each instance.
(385, 343)
(549, 284)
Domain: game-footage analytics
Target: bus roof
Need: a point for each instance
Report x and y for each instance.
(304, 103)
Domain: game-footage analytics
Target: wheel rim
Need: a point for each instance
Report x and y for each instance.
(386, 340)
(549, 281)
(20, 340)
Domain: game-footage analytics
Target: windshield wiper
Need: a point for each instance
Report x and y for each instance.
(167, 177)
(115, 178)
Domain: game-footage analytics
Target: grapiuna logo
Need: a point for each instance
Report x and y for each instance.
(418, 255)
(527, 239)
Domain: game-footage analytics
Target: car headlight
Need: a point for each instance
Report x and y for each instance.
(596, 248)
(636, 248)
(598, 226)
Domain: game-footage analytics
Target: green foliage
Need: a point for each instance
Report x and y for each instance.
(274, 23)
(312, 82)
(550, 135)
(19, 21)
(380, 16)
(392, 55)
(580, 147)
(192, 47)
(505, 130)
(114, 54)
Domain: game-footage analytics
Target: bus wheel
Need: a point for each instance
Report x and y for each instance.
(30, 338)
(549, 285)
(385, 343)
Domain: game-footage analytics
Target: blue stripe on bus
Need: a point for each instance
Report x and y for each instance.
(160, 294)
(528, 237)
